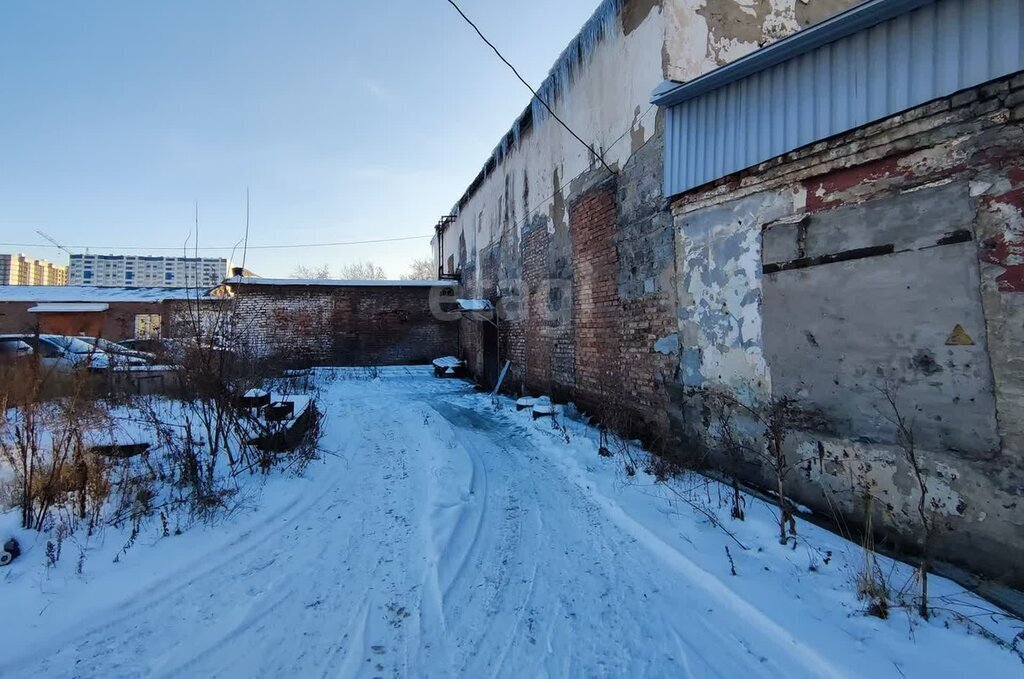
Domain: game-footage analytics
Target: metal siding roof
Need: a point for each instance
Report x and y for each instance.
(890, 66)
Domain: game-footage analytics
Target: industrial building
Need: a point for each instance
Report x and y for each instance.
(815, 201)
(114, 314)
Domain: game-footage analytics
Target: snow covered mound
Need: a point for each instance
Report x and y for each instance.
(441, 535)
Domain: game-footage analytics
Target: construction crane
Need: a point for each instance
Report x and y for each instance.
(54, 241)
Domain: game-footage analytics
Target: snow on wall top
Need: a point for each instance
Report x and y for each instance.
(90, 293)
(575, 56)
(563, 73)
(338, 283)
(474, 304)
(68, 307)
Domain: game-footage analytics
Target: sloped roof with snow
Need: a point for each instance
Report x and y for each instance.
(338, 283)
(94, 294)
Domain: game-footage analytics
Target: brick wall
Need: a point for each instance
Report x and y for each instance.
(595, 302)
(538, 346)
(647, 293)
(115, 324)
(591, 299)
(344, 325)
(15, 318)
(647, 373)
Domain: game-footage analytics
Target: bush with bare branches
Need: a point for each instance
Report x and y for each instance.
(756, 432)
(81, 457)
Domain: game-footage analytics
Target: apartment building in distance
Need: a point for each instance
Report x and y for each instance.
(132, 271)
(22, 270)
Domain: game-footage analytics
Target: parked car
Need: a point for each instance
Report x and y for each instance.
(117, 349)
(147, 346)
(13, 350)
(65, 354)
(171, 349)
(164, 349)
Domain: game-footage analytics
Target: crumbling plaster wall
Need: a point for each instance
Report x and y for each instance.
(884, 259)
(513, 234)
(719, 270)
(701, 35)
(608, 105)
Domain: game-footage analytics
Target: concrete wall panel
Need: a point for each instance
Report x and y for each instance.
(836, 334)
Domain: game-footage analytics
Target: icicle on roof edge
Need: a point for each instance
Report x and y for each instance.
(562, 74)
(575, 55)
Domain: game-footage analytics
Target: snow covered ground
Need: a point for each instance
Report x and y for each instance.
(449, 536)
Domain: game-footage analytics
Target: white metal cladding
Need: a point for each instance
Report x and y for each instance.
(930, 52)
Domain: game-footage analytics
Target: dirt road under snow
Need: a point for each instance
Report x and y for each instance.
(440, 540)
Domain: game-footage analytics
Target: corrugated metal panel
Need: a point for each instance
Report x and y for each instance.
(930, 52)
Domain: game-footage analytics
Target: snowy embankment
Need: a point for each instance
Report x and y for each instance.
(449, 535)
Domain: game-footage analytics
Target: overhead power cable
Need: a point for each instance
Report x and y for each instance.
(226, 247)
(529, 87)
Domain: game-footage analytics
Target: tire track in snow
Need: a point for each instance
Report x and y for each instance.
(701, 579)
(505, 562)
(178, 581)
(483, 547)
(582, 559)
(131, 643)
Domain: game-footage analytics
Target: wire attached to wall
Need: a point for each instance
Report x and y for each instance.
(530, 87)
(531, 210)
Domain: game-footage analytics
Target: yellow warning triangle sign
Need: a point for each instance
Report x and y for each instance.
(959, 337)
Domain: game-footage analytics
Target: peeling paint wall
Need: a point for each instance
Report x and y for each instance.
(702, 35)
(517, 239)
(719, 266)
(884, 259)
(606, 102)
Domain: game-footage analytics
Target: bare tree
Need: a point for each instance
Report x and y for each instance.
(770, 421)
(357, 271)
(321, 272)
(46, 419)
(421, 270)
(927, 506)
(363, 271)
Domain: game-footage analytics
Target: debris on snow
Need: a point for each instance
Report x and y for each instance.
(449, 366)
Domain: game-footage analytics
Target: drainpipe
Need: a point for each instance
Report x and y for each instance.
(439, 233)
(439, 229)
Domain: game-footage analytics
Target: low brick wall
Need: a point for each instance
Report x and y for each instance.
(343, 325)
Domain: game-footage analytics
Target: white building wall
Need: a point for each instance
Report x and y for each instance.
(607, 102)
(139, 271)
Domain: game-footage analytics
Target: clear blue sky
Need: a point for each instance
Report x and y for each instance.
(347, 120)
